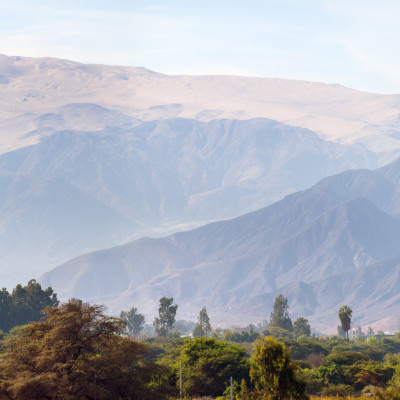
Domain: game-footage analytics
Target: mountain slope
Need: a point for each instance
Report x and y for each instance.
(304, 245)
(156, 153)
(49, 217)
(158, 175)
(40, 86)
(373, 292)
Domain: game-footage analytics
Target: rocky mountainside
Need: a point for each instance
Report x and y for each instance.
(337, 242)
(77, 191)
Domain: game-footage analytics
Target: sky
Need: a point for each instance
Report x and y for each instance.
(355, 43)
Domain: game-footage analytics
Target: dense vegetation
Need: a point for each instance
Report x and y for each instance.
(75, 351)
(327, 366)
(24, 304)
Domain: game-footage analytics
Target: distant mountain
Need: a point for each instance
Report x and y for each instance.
(35, 87)
(115, 185)
(337, 242)
(93, 156)
(48, 218)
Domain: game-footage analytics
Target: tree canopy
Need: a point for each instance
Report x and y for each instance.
(301, 327)
(273, 371)
(208, 364)
(166, 316)
(25, 304)
(345, 314)
(133, 320)
(75, 352)
(203, 326)
(280, 315)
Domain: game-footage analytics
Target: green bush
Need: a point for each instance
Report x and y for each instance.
(300, 349)
(208, 364)
(274, 373)
(345, 358)
(340, 390)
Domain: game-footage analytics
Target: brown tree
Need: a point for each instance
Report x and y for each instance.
(77, 353)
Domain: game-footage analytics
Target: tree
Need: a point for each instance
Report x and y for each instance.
(345, 358)
(345, 314)
(6, 316)
(278, 333)
(24, 304)
(203, 327)
(133, 320)
(208, 364)
(274, 373)
(75, 352)
(280, 316)
(231, 335)
(301, 327)
(166, 320)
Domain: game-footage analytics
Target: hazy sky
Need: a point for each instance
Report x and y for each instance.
(352, 42)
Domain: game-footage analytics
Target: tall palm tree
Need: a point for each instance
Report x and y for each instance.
(345, 313)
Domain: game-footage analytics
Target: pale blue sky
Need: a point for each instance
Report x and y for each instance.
(351, 42)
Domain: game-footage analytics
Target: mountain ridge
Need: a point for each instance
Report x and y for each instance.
(109, 154)
(44, 85)
(160, 175)
(296, 245)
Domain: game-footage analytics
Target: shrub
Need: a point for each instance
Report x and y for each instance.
(274, 372)
(337, 390)
(345, 358)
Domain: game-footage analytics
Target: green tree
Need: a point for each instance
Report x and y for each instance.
(203, 326)
(274, 373)
(345, 314)
(6, 308)
(166, 316)
(344, 358)
(76, 352)
(280, 316)
(75, 300)
(133, 320)
(301, 327)
(208, 364)
(240, 337)
(375, 374)
(278, 333)
(24, 304)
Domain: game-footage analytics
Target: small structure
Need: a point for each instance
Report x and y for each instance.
(356, 332)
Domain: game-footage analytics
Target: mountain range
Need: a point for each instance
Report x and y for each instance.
(93, 156)
(96, 156)
(335, 243)
(35, 87)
